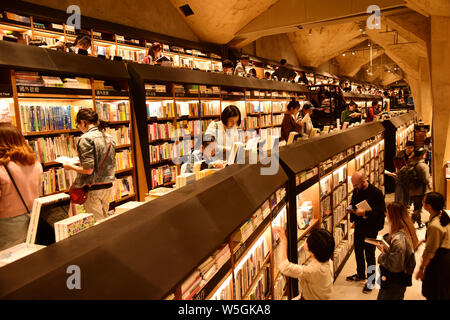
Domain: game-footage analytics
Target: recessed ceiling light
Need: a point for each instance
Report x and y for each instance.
(353, 52)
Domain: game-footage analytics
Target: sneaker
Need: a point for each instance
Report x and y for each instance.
(366, 289)
(355, 277)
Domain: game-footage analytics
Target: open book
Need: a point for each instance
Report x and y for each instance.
(67, 160)
(364, 205)
(377, 242)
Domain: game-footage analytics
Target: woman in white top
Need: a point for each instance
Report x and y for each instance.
(316, 278)
(226, 131)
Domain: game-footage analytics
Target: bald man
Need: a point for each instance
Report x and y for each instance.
(367, 225)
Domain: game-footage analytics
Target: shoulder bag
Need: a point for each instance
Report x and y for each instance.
(79, 195)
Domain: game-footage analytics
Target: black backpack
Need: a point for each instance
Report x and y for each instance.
(408, 176)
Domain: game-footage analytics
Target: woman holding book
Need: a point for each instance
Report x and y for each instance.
(96, 172)
(289, 123)
(398, 261)
(225, 131)
(154, 53)
(20, 184)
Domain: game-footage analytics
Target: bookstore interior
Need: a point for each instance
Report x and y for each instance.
(223, 229)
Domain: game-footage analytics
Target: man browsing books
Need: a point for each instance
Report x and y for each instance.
(367, 210)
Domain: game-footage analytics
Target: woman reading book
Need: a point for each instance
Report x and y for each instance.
(96, 171)
(225, 131)
(289, 123)
(20, 183)
(397, 263)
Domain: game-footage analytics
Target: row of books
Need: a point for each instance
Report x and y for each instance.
(56, 180)
(339, 194)
(278, 106)
(33, 79)
(168, 151)
(261, 289)
(339, 176)
(161, 109)
(117, 111)
(160, 131)
(327, 223)
(121, 188)
(16, 17)
(225, 291)
(265, 106)
(131, 55)
(121, 135)
(205, 272)
(279, 287)
(325, 207)
(304, 216)
(252, 122)
(48, 149)
(47, 118)
(266, 120)
(163, 175)
(277, 120)
(247, 270)
(342, 250)
(252, 107)
(303, 254)
(124, 160)
(306, 175)
(340, 212)
(325, 186)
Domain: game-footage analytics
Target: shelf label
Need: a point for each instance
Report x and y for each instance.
(102, 92)
(28, 89)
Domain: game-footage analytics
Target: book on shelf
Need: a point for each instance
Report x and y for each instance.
(225, 292)
(261, 288)
(32, 79)
(17, 252)
(71, 226)
(121, 135)
(113, 111)
(56, 180)
(18, 18)
(157, 88)
(121, 188)
(51, 148)
(123, 160)
(210, 108)
(184, 179)
(36, 118)
(67, 160)
(189, 109)
(252, 106)
(163, 175)
(161, 109)
(130, 205)
(304, 215)
(160, 192)
(161, 152)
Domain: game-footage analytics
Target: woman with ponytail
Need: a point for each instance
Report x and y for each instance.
(96, 172)
(398, 262)
(20, 184)
(435, 268)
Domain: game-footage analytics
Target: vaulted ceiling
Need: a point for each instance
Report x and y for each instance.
(316, 31)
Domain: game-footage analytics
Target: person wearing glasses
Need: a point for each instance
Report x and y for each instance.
(367, 225)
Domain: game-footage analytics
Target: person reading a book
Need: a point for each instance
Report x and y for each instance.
(305, 118)
(154, 53)
(435, 266)
(207, 153)
(367, 210)
(20, 184)
(397, 262)
(227, 67)
(350, 115)
(289, 123)
(96, 172)
(225, 131)
(316, 278)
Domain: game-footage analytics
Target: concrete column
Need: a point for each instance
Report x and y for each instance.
(440, 65)
(426, 105)
(417, 96)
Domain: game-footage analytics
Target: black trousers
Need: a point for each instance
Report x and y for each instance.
(417, 202)
(364, 252)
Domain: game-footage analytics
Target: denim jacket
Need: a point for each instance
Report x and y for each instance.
(92, 149)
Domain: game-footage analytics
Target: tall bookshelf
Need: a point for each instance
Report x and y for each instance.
(180, 104)
(44, 103)
(109, 43)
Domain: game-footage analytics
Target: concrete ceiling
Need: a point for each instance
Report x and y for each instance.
(218, 21)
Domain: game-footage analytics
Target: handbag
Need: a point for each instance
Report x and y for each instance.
(17, 189)
(80, 195)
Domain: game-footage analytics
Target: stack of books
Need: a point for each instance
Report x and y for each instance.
(185, 179)
(18, 252)
(156, 88)
(18, 18)
(71, 226)
(24, 78)
(52, 82)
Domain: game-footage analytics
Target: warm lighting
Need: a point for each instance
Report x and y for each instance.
(353, 52)
(344, 54)
(218, 291)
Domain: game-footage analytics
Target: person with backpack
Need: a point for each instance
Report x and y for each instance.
(367, 225)
(398, 262)
(417, 177)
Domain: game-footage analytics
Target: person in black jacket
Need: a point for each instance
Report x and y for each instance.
(367, 225)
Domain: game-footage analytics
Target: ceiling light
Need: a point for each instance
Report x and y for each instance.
(344, 54)
(353, 52)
